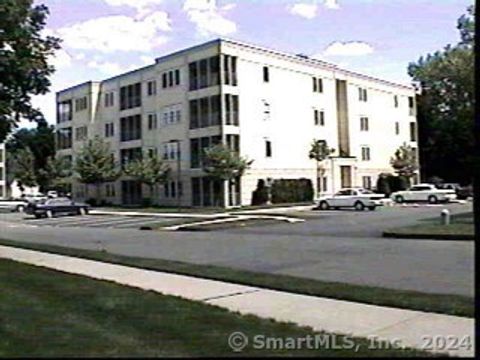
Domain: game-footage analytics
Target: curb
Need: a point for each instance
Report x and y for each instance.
(457, 237)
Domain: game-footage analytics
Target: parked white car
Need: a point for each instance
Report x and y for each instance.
(357, 198)
(34, 197)
(424, 192)
(13, 205)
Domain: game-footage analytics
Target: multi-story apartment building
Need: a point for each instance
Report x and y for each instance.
(265, 104)
(3, 173)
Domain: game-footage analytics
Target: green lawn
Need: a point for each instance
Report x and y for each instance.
(200, 210)
(446, 304)
(461, 228)
(51, 314)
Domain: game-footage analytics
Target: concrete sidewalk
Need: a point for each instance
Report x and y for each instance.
(412, 328)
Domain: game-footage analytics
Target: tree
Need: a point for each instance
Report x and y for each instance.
(319, 151)
(57, 173)
(22, 169)
(404, 162)
(41, 142)
(446, 107)
(95, 164)
(149, 170)
(222, 164)
(24, 68)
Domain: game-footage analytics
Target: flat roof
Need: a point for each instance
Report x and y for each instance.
(296, 57)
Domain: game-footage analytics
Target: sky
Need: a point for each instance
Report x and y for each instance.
(104, 38)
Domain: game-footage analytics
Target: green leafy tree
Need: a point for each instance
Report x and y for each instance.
(319, 151)
(446, 106)
(223, 164)
(150, 170)
(57, 173)
(21, 168)
(24, 68)
(41, 142)
(95, 164)
(404, 162)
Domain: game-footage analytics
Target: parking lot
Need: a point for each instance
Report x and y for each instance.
(342, 246)
(91, 221)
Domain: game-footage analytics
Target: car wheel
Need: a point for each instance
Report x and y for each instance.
(83, 211)
(359, 206)
(324, 205)
(432, 199)
(49, 213)
(21, 208)
(399, 199)
(372, 208)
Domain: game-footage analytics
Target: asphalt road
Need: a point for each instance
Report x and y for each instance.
(339, 246)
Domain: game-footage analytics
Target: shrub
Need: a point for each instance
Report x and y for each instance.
(383, 184)
(260, 194)
(437, 181)
(292, 190)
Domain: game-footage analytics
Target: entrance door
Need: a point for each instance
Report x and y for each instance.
(346, 174)
(131, 193)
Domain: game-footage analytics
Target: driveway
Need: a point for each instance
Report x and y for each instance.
(334, 247)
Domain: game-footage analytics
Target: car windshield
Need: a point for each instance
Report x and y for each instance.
(365, 191)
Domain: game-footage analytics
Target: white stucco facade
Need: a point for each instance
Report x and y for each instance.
(280, 111)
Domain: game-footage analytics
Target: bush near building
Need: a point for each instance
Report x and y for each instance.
(389, 183)
(291, 190)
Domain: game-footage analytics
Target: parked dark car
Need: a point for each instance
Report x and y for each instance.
(463, 192)
(51, 207)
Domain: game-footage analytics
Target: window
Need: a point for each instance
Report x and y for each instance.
(268, 148)
(366, 182)
(266, 109)
(365, 153)
(206, 72)
(324, 183)
(319, 117)
(397, 128)
(317, 85)
(177, 77)
(214, 67)
(266, 74)
(164, 80)
(80, 104)
(109, 99)
(109, 130)
(362, 94)
(64, 138)
(411, 106)
(151, 88)
(171, 78)
(64, 111)
(413, 131)
(81, 133)
(152, 121)
(231, 110)
(194, 153)
(152, 152)
(395, 101)
(1, 155)
(128, 155)
(197, 148)
(203, 73)
(229, 70)
(364, 123)
(171, 150)
(233, 142)
(205, 112)
(130, 96)
(131, 128)
(110, 190)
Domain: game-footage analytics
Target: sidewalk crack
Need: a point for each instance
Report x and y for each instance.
(230, 295)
